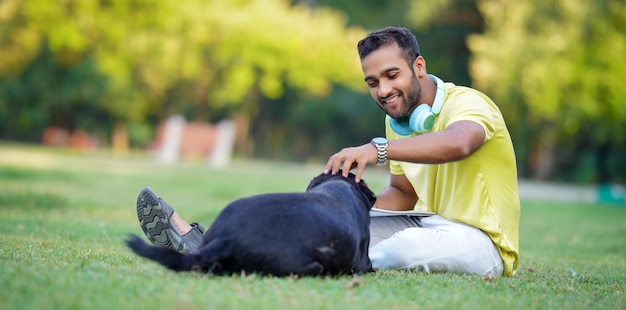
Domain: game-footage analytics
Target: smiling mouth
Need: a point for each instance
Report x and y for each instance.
(391, 99)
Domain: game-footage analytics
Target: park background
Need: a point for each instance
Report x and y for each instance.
(101, 76)
(288, 75)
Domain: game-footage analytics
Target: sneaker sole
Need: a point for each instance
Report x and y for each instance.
(154, 222)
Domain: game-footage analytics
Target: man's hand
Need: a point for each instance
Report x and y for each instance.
(352, 157)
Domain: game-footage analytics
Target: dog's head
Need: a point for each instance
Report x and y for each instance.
(361, 186)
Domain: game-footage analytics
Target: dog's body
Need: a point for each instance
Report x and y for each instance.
(323, 231)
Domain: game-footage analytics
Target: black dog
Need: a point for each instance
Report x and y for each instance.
(323, 231)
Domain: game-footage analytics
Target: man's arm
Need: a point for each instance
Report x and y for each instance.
(457, 142)
(398, 196)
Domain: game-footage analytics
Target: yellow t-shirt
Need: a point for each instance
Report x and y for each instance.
(480, 190)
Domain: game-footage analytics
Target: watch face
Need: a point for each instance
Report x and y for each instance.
(379, 140)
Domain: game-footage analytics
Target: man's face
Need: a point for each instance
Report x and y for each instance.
(391, 81)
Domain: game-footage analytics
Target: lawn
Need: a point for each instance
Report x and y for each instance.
(65, 216)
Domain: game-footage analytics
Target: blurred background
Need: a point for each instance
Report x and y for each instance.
(285, 75)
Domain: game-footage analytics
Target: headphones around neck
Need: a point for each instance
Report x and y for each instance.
(423, 117)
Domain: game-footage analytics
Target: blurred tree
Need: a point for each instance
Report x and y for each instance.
(370, 14)
(442, 28)
(46, 94)
(111, 34)
(555, 69)
(225, 53)
(284, 47)
(291, 76)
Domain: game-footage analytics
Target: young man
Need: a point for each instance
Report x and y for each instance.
(449, 152)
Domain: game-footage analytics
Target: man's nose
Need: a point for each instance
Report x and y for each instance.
(384, 89)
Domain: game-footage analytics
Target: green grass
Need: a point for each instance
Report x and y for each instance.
(64, 216)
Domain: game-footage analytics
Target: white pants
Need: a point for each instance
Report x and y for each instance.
(432, 244)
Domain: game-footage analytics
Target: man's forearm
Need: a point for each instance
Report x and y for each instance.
(392, 198)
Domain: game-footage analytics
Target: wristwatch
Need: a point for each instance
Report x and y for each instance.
(381, 145)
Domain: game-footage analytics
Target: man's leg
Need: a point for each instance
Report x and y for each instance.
(383, 227)
(163, 226)
(440, 245)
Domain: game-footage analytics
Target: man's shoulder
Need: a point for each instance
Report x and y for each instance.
(461, 99)
(454, 92)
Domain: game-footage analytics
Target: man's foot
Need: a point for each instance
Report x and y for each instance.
(155, 218)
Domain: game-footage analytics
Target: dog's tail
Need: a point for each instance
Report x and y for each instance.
(167, 257)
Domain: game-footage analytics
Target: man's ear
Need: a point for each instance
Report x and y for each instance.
(419, 66)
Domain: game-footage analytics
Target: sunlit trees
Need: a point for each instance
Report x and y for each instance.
(556, 68)
(222, 52)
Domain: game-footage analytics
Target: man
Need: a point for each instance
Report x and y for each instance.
(449, 152)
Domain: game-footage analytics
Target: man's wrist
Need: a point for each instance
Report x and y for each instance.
(381, 145)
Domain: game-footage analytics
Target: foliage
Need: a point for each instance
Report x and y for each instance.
(371, 14)
(555, 68)
(301, 127)
(63, 225)
(288, 71)
(227, 50)
(47, 94)
(421, 12)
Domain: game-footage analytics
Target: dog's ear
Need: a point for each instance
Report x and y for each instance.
(319, 180)
(362, 187)
(325, 177)
(367, 192)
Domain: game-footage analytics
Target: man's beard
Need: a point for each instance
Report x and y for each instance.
(410, 100)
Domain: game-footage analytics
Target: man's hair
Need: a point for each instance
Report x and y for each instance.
(403, 37)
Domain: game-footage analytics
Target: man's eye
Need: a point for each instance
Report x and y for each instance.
(393, 75)
(372, 83)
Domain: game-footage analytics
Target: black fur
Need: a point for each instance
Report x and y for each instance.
(323, 231)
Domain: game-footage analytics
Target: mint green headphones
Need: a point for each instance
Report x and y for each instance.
(423, 117)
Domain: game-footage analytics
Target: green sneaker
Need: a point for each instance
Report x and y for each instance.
(155, 219)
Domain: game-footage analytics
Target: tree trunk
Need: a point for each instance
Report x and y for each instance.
(545, 159)
(119, 139)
